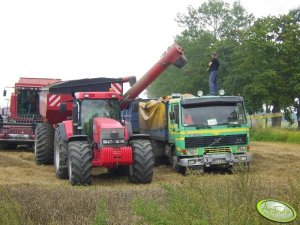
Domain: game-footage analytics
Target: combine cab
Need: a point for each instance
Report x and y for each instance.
(18, 126)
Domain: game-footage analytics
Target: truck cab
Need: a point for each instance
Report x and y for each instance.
(208, 131)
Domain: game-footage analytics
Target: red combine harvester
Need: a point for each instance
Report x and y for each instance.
(89, 131)
(18, 126)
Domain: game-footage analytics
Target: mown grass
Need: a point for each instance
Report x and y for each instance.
(229, 202)
(217, 197)
(10, 211)
(275, 134)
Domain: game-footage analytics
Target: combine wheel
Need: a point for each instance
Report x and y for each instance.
(60, 156)
(141, 172)
(80, 163)
(43, 149)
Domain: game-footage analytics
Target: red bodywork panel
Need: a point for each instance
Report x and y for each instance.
(110, 157)
(68, 128)
(49, 107)
(35, 82)
(97, 95)
(104, 123)
(13, 105)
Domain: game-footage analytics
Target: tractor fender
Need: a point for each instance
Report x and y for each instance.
(139, 136)
(78, 138)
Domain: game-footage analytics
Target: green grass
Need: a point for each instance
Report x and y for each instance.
(101, 216)
(275, 134)
(10, 210)
(201, 202)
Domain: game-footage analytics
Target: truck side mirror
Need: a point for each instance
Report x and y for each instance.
(63, 108)
(4, 92)
(172, 115)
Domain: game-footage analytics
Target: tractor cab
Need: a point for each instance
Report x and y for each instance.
(89, 106)
(95, 108)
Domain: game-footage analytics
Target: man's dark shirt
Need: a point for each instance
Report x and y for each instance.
(214, 65)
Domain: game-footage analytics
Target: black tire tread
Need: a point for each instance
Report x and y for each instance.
(142, 169)
(44, 144)
(81, 160)
(62, 171)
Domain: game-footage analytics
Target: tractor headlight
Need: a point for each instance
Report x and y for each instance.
(113, 141)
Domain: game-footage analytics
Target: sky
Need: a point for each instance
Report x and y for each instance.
(75, 39)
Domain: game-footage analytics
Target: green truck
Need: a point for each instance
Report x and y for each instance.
(194, 133)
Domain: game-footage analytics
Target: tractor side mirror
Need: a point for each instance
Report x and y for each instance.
(172, 115)
(63, 108)
(4, 92)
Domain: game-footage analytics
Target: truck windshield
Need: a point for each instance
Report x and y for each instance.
(109, 108)
(213, 114)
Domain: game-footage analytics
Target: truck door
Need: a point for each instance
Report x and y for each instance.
(173, 122)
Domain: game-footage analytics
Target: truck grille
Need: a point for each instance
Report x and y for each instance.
(212, 141)
(216, 150)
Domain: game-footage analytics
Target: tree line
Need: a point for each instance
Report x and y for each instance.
(259, 58)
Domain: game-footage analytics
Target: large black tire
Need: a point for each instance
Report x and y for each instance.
(43, 148)
(141, 172)
(60, 155)
(80, 163)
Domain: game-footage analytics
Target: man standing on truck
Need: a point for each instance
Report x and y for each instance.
(213, 67)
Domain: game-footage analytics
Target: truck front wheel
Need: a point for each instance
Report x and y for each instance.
(43, 148)
(60, 155)
(141, 172)
(80, 163)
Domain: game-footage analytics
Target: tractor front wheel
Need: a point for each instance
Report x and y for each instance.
(141, 172)
(80, 163)
(43, 148)
(60, 155)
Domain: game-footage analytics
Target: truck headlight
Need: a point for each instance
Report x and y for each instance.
(191, 151)
(242, 149)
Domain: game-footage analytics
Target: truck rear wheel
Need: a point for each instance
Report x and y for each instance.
(43, 148)
(141, 172)
(80, 163)
(60, 156)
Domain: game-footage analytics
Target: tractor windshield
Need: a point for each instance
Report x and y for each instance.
(213, 114)
(109, 108)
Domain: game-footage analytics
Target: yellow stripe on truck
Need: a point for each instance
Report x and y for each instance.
(213, 132)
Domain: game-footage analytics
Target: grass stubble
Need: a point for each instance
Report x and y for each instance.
(31, 194)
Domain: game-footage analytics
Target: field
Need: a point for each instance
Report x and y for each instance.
(31, 194)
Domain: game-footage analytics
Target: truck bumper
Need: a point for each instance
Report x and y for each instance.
(218, 159)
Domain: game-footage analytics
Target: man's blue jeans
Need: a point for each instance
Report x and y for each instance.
(213, 84)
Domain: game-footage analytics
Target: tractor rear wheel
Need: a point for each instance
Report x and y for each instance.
(141, 172)
(43, 149)
(80, 163)
(60, 155)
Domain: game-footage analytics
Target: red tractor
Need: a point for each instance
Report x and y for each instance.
(18, 126)
(83, 127)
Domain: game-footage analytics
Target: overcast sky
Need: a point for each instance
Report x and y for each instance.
(72, 39)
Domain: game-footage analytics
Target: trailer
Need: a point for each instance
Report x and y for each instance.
(18, 123)
(83, 128)
(194, 133)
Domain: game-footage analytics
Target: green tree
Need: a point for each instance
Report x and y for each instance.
(272, 45)
(214, 26)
